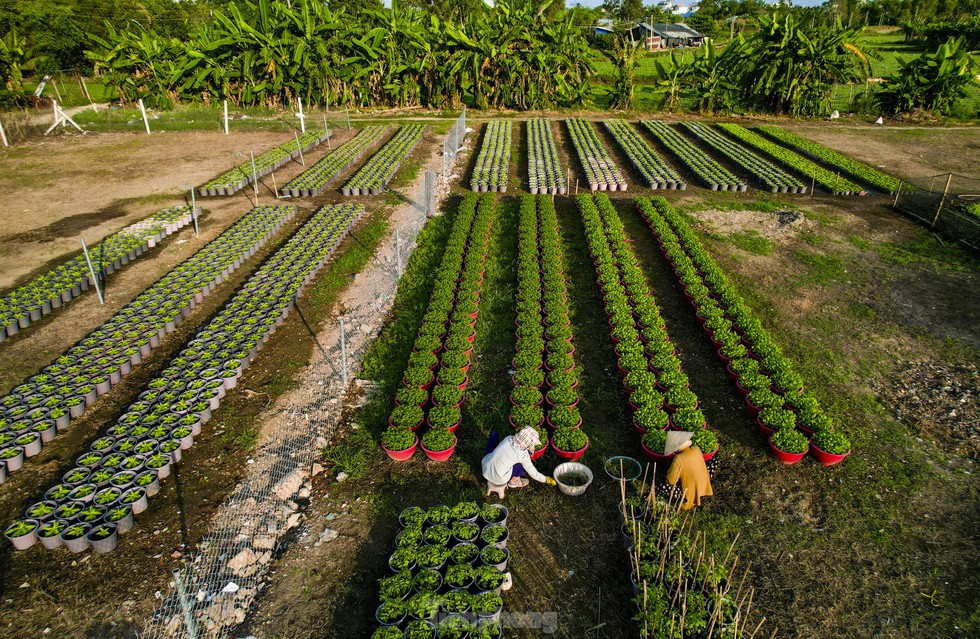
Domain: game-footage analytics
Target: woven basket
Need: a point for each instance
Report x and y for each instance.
(572, 467)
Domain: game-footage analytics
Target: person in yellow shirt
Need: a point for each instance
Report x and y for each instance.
(688, 471)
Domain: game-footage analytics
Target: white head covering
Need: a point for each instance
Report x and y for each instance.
(676, 439)
(527, 439)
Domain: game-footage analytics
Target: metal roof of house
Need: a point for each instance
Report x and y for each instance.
(674, 30)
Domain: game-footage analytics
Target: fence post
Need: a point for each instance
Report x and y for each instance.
(255, 179)
(942, 201)
(197, 232)
(326, 129)
(302, 118)
(347, 115)
(897, 193)
(184, 607)
(146, 121)
(300, 149)
(91, 270)
(226, 117)
(3, 135)
(343, 352)
(398, 255)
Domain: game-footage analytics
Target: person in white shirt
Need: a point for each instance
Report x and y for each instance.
(506, 462)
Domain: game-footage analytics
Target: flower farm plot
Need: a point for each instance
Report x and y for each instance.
(236, 179)
(657, 173)
(121, 469)
(837, 161)
(601, 171)
(765, 172)
(448, 571)
(454, 303)
(377, 173)
(45, 403)
(69, 280)
(544, 336)
(545, 173)
(313, 180)
(490, 172)
(711, 174)
(796, 162)
(660, 393)
(786, 413)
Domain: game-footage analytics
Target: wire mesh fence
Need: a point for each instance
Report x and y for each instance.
(214, 591)
(947, 203)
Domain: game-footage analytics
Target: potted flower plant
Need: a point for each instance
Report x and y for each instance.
(399, 443)
(569, 443)
(788, 445)
(439, 444)
(830, 447)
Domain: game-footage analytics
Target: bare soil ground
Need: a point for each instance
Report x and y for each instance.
(880, 317)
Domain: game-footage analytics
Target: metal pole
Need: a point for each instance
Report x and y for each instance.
(146, 122)
(347, 113)
(302, 118)
(326, 129)
(3, 135)
(343, 353)
(300, 149)
(91, 270)
(255, 179)
(226, 117)
(398, 254)
(813, 182)
(197, 232)
(185, 608)
(897, 193)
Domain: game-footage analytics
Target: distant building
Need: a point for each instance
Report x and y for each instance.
(667, 36)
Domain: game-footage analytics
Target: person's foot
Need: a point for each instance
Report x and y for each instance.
(507, 583)
(518, 482)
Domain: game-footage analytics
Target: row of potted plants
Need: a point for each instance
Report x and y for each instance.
(375, 175)
(434, 383)
(47, 292)
(544, 350)
(447, 572)
(602, 173)
(170, 413)
(655, 171)
(490, 172)
(545, 172)
(659, 390)
(835, 160)
(786, 413)
(833, 182)
(765, 172)
(44, 404)
(313, 180)
(711, 174)
(238, 178)
(681, 589)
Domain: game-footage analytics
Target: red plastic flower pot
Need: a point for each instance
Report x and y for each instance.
(826, 459)
(402, 455)
(538, 453)
(657, 457)
(784, 457)
(708, 456)
(440, 455)
(569, 455)
(764, 430)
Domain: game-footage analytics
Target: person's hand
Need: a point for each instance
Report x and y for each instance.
(550, 482)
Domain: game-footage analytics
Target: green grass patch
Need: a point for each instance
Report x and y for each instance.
(751, 242)
(929, 249)
(821, 268)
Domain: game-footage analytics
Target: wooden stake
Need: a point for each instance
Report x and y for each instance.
(3, 135)
(897, 193)
(949, 179)
(275, 188)
(56, 92)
